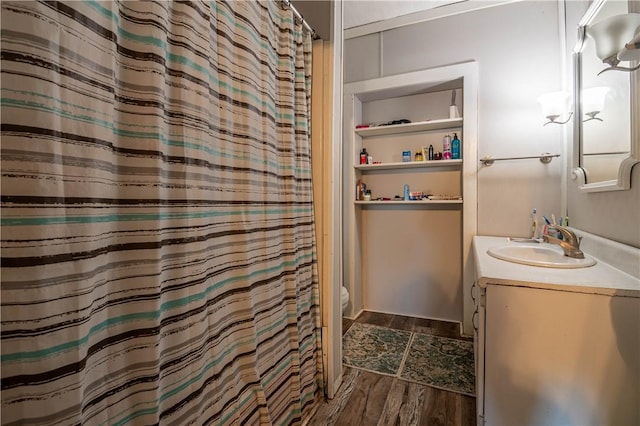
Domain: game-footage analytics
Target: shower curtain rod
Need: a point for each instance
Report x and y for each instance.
(287, 3)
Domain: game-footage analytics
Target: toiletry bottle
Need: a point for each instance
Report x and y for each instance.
(534, 224)
(430, 152)
(446, 148)
(363, 156)
(418, 155)
(455, 147)
(406, 192)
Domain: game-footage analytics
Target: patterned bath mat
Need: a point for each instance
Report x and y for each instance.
(374, 348)
(440, 362)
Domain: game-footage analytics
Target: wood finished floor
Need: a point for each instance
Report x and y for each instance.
(367, 398)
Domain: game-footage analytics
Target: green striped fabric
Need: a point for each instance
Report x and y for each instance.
(158, 249)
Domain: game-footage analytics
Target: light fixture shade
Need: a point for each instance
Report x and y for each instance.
(631, 50)
(593, 99)
(554, 104)
(611, 35)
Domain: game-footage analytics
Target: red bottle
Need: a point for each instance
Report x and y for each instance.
(363, 156)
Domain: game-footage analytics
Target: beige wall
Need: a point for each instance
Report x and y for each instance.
(522, 53)
(517, 46)
(614, 215)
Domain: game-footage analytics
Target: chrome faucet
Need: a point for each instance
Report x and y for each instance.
(570, 243)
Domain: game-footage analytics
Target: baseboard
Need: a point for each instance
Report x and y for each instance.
(463, 334)
(338, 383)
(355, 317)
(414, 316)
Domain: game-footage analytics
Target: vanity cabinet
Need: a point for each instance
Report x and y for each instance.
(409, 257)
(564, 353)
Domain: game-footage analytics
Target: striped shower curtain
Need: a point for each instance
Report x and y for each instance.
(158, 260)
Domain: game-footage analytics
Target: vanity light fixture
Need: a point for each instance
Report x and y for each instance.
(616, 40)
(554, 105)
(631, 50)
(593, 102)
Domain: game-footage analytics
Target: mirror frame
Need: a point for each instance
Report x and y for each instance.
(623, 182)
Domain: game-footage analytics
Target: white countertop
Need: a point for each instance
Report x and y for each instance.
(600, 278)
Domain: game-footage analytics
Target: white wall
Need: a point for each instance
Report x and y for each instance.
(518, 48)
(364, 12)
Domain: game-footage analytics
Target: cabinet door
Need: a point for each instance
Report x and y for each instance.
(479, 324)
(561, 358)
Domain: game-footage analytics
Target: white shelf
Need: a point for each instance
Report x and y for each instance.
(408, 165)
(404, 203)
(365, 261)
(420, 126)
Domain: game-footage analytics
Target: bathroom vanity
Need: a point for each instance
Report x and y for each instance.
(557, 346)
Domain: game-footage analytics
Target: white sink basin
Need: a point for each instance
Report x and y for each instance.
(545, 255)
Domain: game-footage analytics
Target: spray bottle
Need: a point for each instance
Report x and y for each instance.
(446, 148)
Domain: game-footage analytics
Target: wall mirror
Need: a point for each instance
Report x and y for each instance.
(606, 103)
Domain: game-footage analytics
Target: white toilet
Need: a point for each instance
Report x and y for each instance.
(344, 298)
